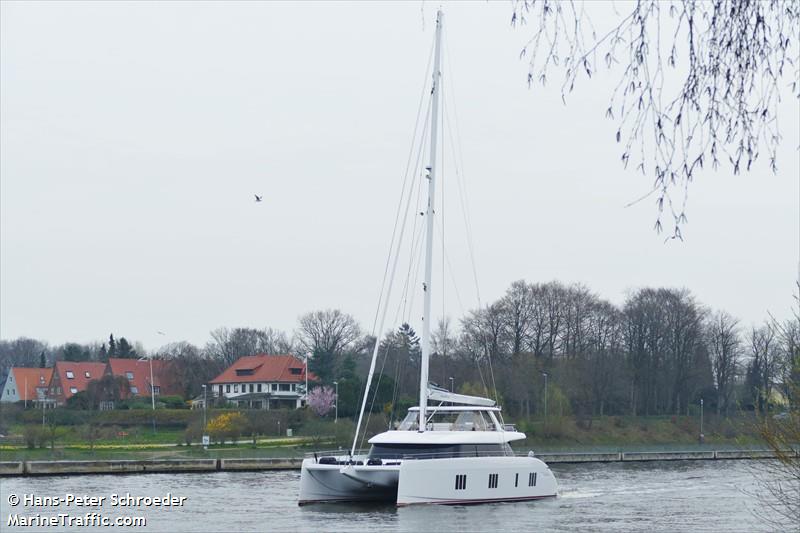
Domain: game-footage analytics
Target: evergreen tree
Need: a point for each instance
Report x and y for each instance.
(42, 361)
(75, 352)
(103, 353)
(125, 350)
(112, 346)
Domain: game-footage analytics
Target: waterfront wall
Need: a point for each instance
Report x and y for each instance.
(44, 468)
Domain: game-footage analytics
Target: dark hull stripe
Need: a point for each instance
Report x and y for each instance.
(486, 500)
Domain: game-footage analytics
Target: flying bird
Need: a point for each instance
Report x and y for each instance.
(258, 198)
(160, 332)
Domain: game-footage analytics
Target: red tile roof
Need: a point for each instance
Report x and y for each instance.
(263, 368)
(140, 370)
(29, 379)
(82, 374)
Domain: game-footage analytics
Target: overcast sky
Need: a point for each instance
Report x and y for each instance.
(134, 135)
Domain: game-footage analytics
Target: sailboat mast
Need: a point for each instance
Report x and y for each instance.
(431, 176)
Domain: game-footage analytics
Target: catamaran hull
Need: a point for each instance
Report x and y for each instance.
(347, 483)
(460, 480)
(466, 480)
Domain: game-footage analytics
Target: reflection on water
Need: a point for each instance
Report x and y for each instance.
(663, 496)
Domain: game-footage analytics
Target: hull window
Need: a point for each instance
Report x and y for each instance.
(493, 481)
(532, 479)
(461, 482)
(516, 480)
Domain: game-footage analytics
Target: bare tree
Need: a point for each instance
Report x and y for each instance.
(725, 349)
(327, 334)
(764, 365)
(700, 81)
(228, 345)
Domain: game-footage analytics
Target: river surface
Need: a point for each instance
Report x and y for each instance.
(659, 496)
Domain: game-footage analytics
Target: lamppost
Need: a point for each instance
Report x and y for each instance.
(702, 437)
(152, 391)
(452, 388)
(336, 402)
(305, 371)
(205, 406)
(545, 398)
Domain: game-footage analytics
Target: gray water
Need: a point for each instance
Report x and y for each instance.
(661, 496)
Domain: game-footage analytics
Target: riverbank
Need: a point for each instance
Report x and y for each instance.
(44, 468)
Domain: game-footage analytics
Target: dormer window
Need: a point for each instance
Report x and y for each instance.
(129, 375)
(244, 372)
(73, 390)
(296, 371)
(70, 375)
(87, 374)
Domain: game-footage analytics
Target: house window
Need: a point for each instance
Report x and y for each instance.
(70, 375)
(156, 390)
(73, 390)
(135, 390)
(87, 374)
(220, 389)
(275, 386)
(284, 387)
(293, 387)
(493, 481)
(259, 387)
(532, 479)
(235, 387)
(461, 482)
(252, 388)
(227, 388)
(129, 375)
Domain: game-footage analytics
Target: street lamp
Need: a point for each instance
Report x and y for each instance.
(452, 389)
(336, 402)
(545, 398)
(205, 405)
(702, 437)
(152, 391)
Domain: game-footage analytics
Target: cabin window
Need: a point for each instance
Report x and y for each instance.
(516, 480)
(493, 481)
(129, 375)
(461, 482)
(73, 390)
(532, 479)
(70, 375)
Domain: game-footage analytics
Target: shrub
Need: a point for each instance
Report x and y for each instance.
(34, 435)
(227, 426)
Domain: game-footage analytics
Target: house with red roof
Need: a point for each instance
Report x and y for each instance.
(142, 377)
(70, 378)
(27, 385)
(263, 382)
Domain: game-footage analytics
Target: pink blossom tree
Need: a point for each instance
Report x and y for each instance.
(321, 400)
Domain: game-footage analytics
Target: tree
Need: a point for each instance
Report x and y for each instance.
(125, 350)
(74, 352)
(228, 345)
(700, 81)
(42, 360)
(327, 335)
(112, 346)
(189, 368)
(724, 346)
(321, 400)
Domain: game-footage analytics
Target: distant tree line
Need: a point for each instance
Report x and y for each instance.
(658, 353)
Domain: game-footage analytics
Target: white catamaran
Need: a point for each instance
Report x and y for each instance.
(451, 448)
